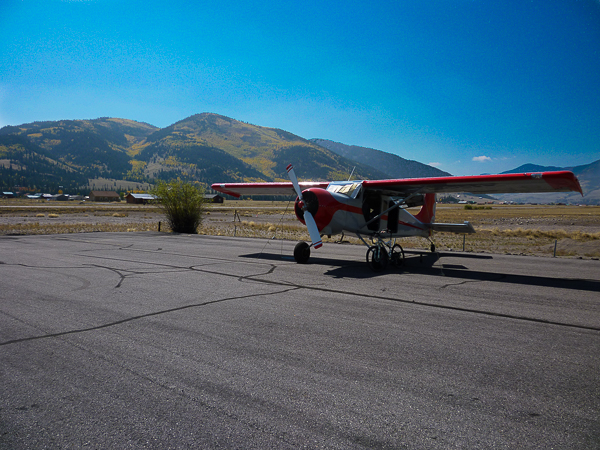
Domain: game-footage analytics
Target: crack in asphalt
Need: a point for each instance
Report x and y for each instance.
(288, 288)
(437, 306)
(122, 278)
(142, 316)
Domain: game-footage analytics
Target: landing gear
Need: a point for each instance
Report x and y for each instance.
(432, 247)
(302, 252)
(377, 257)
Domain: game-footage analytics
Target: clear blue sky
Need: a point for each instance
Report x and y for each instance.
(470, 86)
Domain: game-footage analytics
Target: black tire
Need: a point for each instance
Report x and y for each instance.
(377, 258)
(432, 248)
(302, 252)
(397, 256)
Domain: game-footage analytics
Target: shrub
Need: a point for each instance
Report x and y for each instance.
(182, 204)
(473, 207)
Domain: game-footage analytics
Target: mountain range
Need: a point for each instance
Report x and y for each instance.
(392, 165)
(203, 148)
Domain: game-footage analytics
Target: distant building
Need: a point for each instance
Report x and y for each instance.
(104, 196)
(6, 194)
(214, 198)
(139, 199)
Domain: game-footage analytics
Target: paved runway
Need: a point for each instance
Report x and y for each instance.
(147, 340)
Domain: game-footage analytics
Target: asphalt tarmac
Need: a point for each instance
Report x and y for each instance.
(149, 340)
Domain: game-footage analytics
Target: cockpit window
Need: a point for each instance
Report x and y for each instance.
(348, 188)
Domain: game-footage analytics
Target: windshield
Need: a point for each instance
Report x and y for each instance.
(349, 188)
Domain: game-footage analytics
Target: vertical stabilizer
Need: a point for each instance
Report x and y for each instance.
(427, 213)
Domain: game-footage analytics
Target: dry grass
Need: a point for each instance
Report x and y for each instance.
(61, 228)
(506, 229)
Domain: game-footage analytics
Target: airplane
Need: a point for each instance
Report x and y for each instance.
(376, 209)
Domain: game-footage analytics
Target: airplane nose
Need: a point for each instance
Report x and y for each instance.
(309, 203)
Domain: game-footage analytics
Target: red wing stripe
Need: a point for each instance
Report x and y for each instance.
(483, 184)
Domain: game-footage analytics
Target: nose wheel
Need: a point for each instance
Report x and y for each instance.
(302, 252)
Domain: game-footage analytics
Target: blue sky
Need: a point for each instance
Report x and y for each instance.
(466, 85)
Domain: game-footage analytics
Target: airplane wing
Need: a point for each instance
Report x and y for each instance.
(285, 188)
(563, 181)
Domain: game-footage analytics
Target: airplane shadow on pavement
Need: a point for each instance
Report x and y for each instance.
(426, 263)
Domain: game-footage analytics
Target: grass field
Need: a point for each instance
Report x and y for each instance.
(504, 229)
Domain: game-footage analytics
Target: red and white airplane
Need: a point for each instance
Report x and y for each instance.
(376, 209)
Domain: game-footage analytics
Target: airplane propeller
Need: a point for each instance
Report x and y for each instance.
(313, 230)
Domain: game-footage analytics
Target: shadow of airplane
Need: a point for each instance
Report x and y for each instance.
(426, 263)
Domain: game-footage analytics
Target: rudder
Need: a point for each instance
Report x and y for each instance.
(427, 212)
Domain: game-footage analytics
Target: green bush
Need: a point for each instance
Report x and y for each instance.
(471, 207)
(182, 204)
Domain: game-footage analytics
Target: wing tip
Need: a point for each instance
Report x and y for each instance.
(220, 187)
(563, 180)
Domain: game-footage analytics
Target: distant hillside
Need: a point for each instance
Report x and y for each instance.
(528, 168)
(204, 148)
(212, 148)
(42, 156)
(393, 166)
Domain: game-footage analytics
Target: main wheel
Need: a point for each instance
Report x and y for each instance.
(397, 256)
(377, 258)
(302, 252)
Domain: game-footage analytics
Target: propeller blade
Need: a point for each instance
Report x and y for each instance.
(294, 180)
(313, 230)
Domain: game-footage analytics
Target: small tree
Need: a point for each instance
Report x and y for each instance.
(182, 204)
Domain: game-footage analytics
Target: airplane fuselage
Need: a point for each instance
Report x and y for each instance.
(345, 208)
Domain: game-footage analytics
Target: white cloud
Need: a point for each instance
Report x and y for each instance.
(434, 164)
(481, 158)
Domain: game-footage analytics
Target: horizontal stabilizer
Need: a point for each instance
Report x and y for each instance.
(460, 228)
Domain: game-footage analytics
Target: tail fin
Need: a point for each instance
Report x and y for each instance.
(427, 213)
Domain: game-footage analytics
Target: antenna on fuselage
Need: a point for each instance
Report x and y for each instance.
(351, 173)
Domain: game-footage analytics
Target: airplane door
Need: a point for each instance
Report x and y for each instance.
(371, 208)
